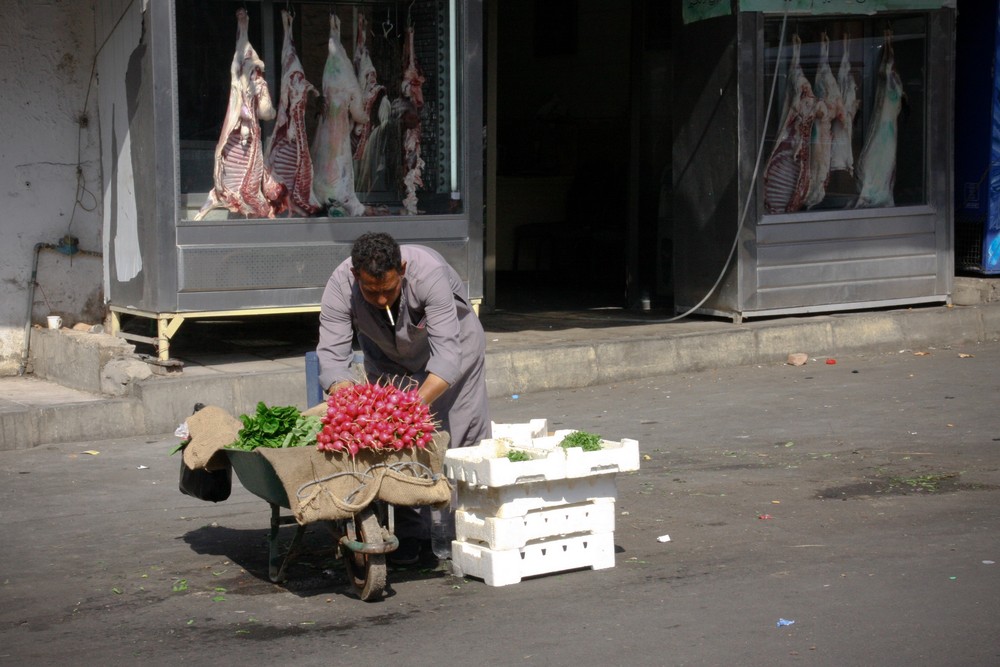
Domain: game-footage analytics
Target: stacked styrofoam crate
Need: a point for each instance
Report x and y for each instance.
(552, 513)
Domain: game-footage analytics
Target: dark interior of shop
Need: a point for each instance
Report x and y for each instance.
(582, 178)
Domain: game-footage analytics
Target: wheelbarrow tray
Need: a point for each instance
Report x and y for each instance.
(257, 476)
(399, 478)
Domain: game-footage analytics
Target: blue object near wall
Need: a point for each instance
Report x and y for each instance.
(977, 137)
(314, 392)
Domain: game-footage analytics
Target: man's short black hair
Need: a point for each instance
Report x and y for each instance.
(375, 253)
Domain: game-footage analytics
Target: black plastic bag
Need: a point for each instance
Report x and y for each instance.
(211, 485)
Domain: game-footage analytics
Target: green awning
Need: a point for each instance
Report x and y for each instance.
(698, 10)
(841, 6)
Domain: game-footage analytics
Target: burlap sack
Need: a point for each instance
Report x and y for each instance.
(210, 429)
(318, 410)
(324, 486)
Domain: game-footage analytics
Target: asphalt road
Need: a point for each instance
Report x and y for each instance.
(860, 500)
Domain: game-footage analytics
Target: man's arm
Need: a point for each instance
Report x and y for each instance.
(335, 331)
(432, 388)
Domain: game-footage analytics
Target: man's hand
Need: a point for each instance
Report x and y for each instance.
(337, 386)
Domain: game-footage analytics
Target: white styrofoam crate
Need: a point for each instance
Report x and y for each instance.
(519, 499)
(520, 434)
(509, 566)
(487, 463)
(614, 456)
(515, 532)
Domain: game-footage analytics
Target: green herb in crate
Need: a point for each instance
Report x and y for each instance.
(516, 455)
(589, 442)
(277, 427)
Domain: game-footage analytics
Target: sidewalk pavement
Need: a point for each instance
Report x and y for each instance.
(68, 398)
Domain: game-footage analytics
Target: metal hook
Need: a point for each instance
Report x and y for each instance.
(387, 24)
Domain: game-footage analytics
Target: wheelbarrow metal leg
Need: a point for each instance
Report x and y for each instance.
(276, 562)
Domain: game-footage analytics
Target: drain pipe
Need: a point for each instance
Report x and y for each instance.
(68, 245)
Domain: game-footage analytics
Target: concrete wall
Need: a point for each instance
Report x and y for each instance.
(50, 165)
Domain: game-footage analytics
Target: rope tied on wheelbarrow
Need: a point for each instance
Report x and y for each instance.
(324, 486)
(370, 483)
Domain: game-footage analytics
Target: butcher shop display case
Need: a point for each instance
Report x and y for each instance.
(249, 143)
(814, 161)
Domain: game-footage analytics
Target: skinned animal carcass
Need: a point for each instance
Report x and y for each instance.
(786, 174)
(842, 153)
(241, 182)
(876, 168)
(376, 169)
(413, 96)
(287, 153)
(829, 106)
(372, 92)
(343, 106)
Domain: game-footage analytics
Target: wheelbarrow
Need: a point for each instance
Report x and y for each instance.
(364, 537)
(363, 540)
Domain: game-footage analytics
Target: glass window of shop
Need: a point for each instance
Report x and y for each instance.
(306, 109)
(847, 123)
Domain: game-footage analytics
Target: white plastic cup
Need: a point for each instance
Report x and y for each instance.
(55, 322)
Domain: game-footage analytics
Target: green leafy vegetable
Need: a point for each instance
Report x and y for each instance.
(589, 442)
(303, 432)
(277, 427)
(518, 455)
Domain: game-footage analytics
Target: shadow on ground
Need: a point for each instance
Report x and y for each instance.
(315, 569)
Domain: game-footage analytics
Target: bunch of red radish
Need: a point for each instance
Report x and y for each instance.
(375, 416)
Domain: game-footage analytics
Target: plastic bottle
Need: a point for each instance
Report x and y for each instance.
(442, 532)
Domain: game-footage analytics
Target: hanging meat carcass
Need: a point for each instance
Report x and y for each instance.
(413, 95)
(333, 172)
(842, 153)
(829, 106)
(372, 92)
(380, 163)
(287, 153)
(242, 184)
(786, 174)
(876, 168)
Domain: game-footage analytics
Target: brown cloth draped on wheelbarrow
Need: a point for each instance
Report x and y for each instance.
(332, 485)
(210, 429)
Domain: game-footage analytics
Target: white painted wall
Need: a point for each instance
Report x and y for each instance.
(50, 165)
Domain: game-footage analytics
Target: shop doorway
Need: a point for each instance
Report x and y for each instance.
(578, 155)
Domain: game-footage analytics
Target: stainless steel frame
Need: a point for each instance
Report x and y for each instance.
(258, 266)
(809, 261)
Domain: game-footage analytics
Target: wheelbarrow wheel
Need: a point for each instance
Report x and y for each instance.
(366, 571)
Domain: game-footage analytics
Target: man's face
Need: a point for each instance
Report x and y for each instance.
(380, 292)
